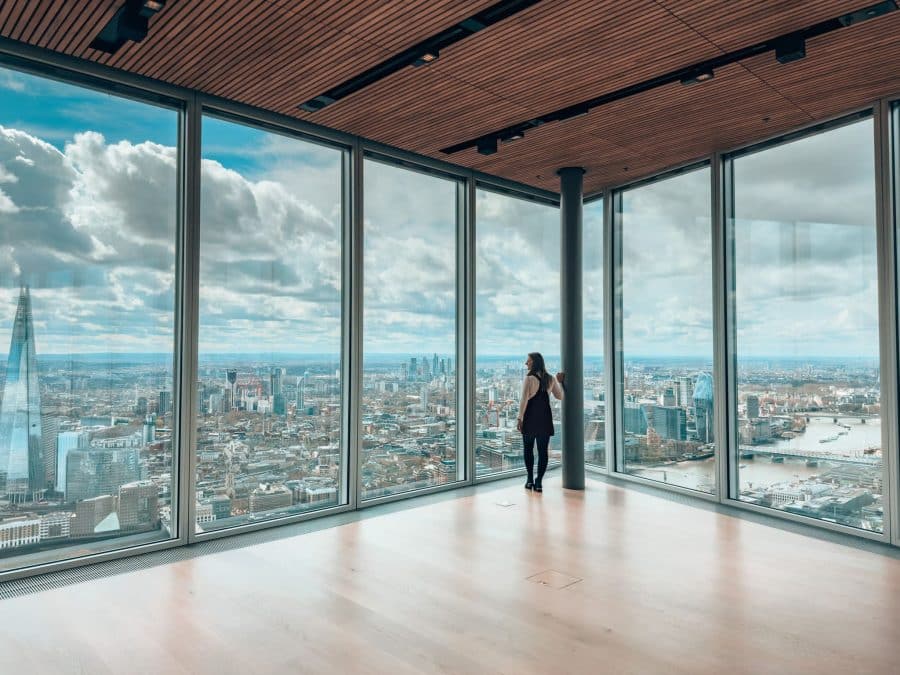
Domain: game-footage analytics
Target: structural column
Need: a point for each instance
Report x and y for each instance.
(571, 183)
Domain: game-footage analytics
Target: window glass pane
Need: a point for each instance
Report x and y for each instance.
(592, 307)
(806, 319)
(409, 360)
(87, 243)
(269, 417)
(517, 311)
(667, 344)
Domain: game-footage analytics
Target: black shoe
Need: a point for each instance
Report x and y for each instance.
(529, 485)
(538, 488)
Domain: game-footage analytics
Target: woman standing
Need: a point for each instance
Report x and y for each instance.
(535, 417)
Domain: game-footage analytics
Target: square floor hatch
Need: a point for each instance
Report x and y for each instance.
(553, 579)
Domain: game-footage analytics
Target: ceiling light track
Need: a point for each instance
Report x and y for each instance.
(788, 47)
(421, 54)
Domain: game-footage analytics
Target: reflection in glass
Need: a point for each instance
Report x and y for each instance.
(87, 270)
(806, 324)
(667, 346)
(409, 334)
(517, 311)
(594, 391)
(269, 397)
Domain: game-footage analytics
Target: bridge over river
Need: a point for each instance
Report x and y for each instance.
(852, 457)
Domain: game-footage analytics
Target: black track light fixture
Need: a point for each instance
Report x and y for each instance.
(422, 53)
(130, 23)
(487, 146)
(790, 48)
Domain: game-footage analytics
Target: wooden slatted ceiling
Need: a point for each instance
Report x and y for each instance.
(277, 53)
(732, 25)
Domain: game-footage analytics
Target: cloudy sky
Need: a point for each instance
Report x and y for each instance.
(805, 254)
(87, 207)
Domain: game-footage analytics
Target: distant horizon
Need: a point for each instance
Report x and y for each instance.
(119, 356)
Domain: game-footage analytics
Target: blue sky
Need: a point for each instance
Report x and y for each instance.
(87, 204)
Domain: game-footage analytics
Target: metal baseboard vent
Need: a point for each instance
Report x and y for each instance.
(53, 580)
(804, 529)
(108, 568)
(91, 572)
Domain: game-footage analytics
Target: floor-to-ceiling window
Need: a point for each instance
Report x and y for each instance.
(408, 420)
(664, 244)
(805, 320)
(88, 224)
(517, 311)
(269, 385)
(592, 309)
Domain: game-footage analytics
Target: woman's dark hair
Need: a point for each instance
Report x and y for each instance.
(539, 370)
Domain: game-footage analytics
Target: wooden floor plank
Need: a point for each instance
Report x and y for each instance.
(664, 588)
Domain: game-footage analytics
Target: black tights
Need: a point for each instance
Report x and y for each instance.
(543, 442)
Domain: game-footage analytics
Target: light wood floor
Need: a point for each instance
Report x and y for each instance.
(665, 588)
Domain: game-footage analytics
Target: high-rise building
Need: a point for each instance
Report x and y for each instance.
(301, 383)
(413, 368)
(149, 430)
(703, 408)
(434, 365)
(49, 433)
(752, 406)
(139, 505)
(100, 471)
(66, 441)
(231, 399)
(635, 418)
(165, 403)
(140, 407)
(276, 381)
(21, 440)
(685, 390)
(670, 422)
(668, 398)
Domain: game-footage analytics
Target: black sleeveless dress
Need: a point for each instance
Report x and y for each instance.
(538, 419)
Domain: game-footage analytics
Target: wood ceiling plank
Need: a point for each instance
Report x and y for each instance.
(86, 24)
(51, 17)
(277, 53)
(732, 25)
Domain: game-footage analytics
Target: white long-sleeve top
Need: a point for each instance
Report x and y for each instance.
(530, 387)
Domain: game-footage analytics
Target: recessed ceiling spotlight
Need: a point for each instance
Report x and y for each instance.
(512, 136)
(426, 58)
(868, 13)
(698, 75)
(317, 103)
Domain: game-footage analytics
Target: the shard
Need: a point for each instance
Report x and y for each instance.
(21, 449)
